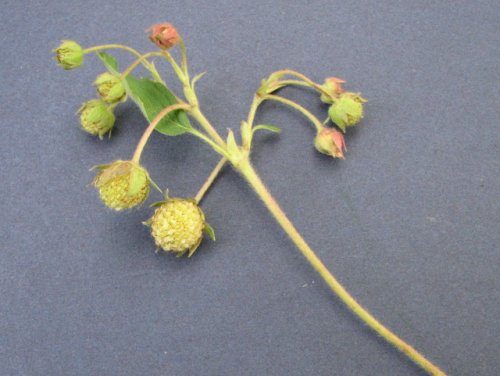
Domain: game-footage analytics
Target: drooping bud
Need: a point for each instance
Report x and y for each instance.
(110, 88)
(122, 184)
(177, 226)
(164, 35)
(331, 142)
(96, 117)
(333, 88)
(69, 54)
(347, 110)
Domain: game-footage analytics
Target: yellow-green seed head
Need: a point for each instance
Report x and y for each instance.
(347, 110)
(122, 184)
(110, 88)
(69, 54)
(96, 117)
(177, 226)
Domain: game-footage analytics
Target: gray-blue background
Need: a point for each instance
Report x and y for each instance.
(408, 222)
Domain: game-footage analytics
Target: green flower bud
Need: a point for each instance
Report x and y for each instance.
(96, 117)
(69, 54)
(177, 226)
(347, 110)
(122, 184)
(331, 142)
(110, 88)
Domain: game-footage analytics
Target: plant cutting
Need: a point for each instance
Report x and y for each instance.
(178, 224)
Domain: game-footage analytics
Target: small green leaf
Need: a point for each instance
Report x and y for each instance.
(267, 127)
(196, 78)
(209, 231)
(232, 146)
(152, 97)
(137, 180)
(109, 62)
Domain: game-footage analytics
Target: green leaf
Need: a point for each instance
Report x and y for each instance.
(267, 127)
(151, 97)
(196, 78)
(109, 62)
(209, 231)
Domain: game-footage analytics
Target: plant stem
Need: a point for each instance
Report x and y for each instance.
(211, 178)
(146, 64)
(298, 107)
(200, 118)
(140, 60)
(304, 78)
(249, 173)
(151, 127)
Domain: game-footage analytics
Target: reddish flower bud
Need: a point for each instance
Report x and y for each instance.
(164, 35)
(332, 86)
(331, 142)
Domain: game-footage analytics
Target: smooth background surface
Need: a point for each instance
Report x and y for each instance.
(408, 222)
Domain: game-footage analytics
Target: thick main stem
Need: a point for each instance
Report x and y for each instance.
(247, 170)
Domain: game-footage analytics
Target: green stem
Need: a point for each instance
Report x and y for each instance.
(132, 66)
(253, 109)
(248, 172)
(151, 127)
(298, 107)
(211, 178)
(305, 79)
(146, 64)
(203, 121)
(184, 63)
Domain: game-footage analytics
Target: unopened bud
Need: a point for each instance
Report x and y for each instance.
(110, 88)
(96, 117)
(331, 142)
(69, 54)
(332, 88)
(347, 110)
(164, 35)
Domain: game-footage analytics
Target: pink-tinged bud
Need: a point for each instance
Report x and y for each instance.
(164, 35)
(332, 87)
(331, 142)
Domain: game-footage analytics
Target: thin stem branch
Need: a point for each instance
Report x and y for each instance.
(149, 130)
(305, 79)
(256, 183)
(184, 62)
(140, 60)
(211, 178)
(298, 107)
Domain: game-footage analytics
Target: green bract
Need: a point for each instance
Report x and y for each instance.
(122, 184)
(96, 117)
(347, 110)
(69, 54)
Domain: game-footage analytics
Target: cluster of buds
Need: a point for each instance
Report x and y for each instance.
(346, 110)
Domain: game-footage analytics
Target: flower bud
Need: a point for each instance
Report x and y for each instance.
(96, 117)
(122, 184)
(177, 226)
(110, 88)
(164, 35)
(347, 110)
(69, 54)
(332, 88)
(331, 142)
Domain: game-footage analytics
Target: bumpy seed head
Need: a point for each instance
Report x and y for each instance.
(177, 226)
(122, 184)
(333, 88)
(347, 110)
(96, 117)
(69, 54)
(164, 35)
(330, 142)
(110, 88)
